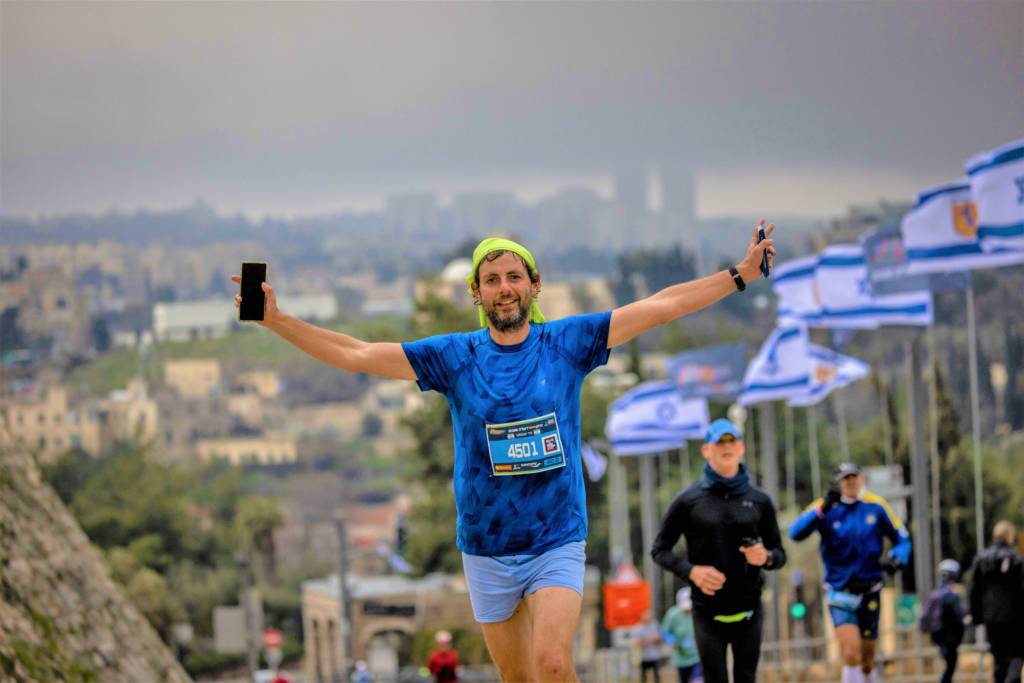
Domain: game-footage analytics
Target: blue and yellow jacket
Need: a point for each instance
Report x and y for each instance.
(852, 537)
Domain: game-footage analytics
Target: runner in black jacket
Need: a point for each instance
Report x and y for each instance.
(731, 535)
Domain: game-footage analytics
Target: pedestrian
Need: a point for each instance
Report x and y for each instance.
(677, 625)
(853, 525)
(732, 534)
(513, 389)
(942, 617)
(997, 601)
(443, 662)
(648, 639)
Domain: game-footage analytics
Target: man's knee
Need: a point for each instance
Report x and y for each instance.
(851, 654)
(554, 664)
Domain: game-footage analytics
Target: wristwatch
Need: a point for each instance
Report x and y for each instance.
(740, 284)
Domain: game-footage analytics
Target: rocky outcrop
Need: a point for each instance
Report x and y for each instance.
(62, 618)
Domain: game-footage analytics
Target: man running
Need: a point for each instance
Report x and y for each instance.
(731, 535)
(997, 601)
(853, 524)
(513, 389)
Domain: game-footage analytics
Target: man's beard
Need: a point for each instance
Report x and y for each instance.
(508, 321)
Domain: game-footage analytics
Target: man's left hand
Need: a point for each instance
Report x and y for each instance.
(756, 554)
(750, 267)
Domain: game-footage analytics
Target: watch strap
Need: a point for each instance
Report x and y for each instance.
(740, 284)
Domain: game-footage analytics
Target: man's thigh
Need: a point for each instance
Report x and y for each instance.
(509, 643)
(554, 614)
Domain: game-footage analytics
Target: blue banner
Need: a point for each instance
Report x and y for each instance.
(715, 372)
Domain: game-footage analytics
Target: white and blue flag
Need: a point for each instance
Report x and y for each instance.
(653, 417)
(940, 233)
(842, 286)
(781, 368)
(793, 283)
(829, 370)
(595, 462)
(997, 188)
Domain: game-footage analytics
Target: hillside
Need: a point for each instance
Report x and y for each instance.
(61, 616)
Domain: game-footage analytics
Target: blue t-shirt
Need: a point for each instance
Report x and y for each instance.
(488, 386)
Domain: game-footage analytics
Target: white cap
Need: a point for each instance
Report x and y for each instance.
(443, 637)
(683, 598)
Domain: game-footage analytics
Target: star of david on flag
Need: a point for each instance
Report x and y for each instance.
(997, 190)
(653, 417)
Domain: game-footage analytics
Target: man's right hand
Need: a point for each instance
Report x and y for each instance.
(832, 497)
(708, 579)
(270, 309)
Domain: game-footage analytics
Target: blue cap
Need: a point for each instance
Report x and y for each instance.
(719, 428)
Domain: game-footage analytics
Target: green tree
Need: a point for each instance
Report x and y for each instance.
(257, 520)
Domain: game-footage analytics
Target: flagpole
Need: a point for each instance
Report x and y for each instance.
(933, 412)
(840, 408)
(972, 351)
(618, 510)
(812, 443)
(790, 458)
(647, 522)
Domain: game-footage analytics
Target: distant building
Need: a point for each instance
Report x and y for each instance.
(48, 423)
(39, 421)
(193, 377)
(860, 218)
(189, 321)
(265, 383)
(213, 318)
(257, 450)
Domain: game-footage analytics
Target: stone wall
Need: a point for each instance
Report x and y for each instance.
(62, 618)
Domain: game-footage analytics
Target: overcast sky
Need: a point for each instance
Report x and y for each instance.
(298, 108)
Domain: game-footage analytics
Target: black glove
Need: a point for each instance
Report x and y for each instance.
(892, 566)
(832, 497)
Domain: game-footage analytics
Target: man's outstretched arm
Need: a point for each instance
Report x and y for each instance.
(383, 359)
(676, 301)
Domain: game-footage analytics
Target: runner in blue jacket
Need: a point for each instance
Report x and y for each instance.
(853, 524)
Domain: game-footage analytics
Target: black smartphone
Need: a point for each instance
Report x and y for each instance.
(253, 298)
(749, 541)
(765, 270)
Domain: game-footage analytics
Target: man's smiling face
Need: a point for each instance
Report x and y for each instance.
(506, 292)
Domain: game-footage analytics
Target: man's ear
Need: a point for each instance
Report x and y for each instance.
(476, 292)
(536, 285)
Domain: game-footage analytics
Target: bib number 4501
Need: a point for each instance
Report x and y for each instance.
(526, 449)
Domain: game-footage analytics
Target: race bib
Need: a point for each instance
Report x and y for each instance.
(525, 447)
(843, 600)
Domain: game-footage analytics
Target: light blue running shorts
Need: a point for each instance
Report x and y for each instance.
(498, 584)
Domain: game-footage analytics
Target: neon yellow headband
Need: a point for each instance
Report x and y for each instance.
(492, 244)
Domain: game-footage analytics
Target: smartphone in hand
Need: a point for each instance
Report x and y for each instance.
(765, 270)
(253, 298)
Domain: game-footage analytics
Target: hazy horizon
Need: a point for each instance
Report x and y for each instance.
(297, 109)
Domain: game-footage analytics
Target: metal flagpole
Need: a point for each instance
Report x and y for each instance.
(840, 408)
(812, 443)
(933, 415)
(647, 522)
(770, 479)
(618, 510)
(883, 398)
(972, 350)
(918, 471)
(790, 459)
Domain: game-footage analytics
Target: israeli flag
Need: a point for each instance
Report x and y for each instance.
(793, 283)
(830, 370)
(595, 462)
(997, 188)
(940, 233)
(653, 417)
(842, 285)
(781, 368)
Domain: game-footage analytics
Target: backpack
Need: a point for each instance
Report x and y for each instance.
(931, 611)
